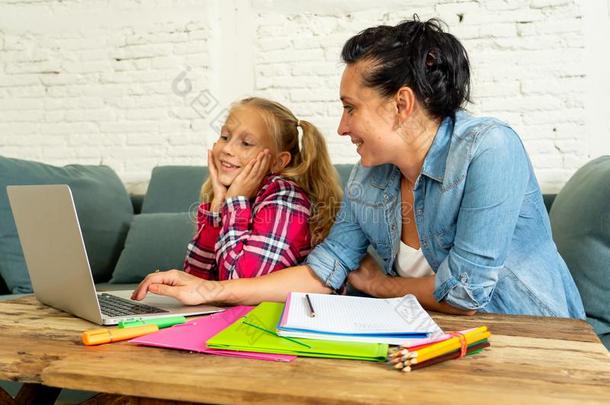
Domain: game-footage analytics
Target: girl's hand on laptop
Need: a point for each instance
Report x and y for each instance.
(184, 287)
(248, 181)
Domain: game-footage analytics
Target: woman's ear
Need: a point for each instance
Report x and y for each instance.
(281, 161)
(405, 103)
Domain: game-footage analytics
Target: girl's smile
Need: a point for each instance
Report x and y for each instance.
(242, 138)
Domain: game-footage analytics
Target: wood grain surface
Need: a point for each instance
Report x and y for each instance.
(542, 360)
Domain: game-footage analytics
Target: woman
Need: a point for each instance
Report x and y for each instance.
(456, 189)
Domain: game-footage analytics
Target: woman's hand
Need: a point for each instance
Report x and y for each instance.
(186, 288)
(219, 189)
(369, 278)
(249, 180)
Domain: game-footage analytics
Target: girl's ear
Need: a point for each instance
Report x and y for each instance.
(281, 161)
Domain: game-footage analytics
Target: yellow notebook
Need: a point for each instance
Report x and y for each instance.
(256, 332)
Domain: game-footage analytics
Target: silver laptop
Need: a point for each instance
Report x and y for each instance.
(57, 262)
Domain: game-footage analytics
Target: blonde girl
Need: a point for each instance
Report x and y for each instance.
(271, 195)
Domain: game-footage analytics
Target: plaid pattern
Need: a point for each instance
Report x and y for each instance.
(252, 239)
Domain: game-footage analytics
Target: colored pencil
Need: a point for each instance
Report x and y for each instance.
(449, 356)
(421, 346)
(438, 349)
(448, 342)
(435, 352)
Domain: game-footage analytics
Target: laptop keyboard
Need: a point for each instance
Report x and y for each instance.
(114, 306)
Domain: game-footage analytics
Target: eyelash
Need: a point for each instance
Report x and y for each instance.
(348, 108)
(225, 138)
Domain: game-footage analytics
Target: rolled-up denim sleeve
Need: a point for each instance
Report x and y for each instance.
(341, 251)
(494, 189)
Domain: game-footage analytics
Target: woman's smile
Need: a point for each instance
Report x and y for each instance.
(358, 142)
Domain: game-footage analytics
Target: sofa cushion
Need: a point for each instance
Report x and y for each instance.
(174, 189)
(155, 241)
(580, 218)
(103, 206)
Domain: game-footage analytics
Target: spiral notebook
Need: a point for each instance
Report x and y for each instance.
(394, 321)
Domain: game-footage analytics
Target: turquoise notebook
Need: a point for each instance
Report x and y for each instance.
(256, 332)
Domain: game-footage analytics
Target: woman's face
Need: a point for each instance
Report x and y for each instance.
(369, 119)
(242, 137)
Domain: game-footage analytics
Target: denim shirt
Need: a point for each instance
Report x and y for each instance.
(481, 220)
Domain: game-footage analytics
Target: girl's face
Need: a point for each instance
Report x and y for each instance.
(242, 137)
(370, 120)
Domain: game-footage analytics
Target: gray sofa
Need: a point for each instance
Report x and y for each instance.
(154, 228)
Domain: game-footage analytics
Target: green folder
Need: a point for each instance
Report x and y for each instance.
(255, 332)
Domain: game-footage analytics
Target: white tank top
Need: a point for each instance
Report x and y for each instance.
(411, 262)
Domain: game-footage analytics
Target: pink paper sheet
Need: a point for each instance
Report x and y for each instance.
(194, 334)
(284, 317)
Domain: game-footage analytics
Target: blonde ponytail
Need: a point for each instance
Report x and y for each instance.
(312, 169)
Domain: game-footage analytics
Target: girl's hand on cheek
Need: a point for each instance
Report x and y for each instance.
(248, 182)
(220, 190)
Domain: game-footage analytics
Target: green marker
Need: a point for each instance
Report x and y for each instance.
(160, 322)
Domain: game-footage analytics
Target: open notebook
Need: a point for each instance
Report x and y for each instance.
(358, 319)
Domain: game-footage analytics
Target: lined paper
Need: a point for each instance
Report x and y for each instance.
(347, 315)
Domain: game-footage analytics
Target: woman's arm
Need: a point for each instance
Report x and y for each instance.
(192, 290)
(370, 279)
(494, 189)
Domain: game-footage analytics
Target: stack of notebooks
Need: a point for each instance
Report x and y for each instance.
(342, 327)
(394, 321)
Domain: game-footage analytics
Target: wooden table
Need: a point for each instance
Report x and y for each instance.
(535, 360)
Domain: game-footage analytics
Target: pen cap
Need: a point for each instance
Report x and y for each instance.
(96, 337)
(101, 336)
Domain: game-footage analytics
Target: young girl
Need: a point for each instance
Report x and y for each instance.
(272, 193)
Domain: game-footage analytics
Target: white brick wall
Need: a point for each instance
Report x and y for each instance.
(137, 84)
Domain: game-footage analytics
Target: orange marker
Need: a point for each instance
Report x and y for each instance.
(101, 336)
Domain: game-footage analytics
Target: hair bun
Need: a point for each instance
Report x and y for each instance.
(416, 54)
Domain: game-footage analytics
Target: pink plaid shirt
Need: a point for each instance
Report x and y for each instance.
(250, 239)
